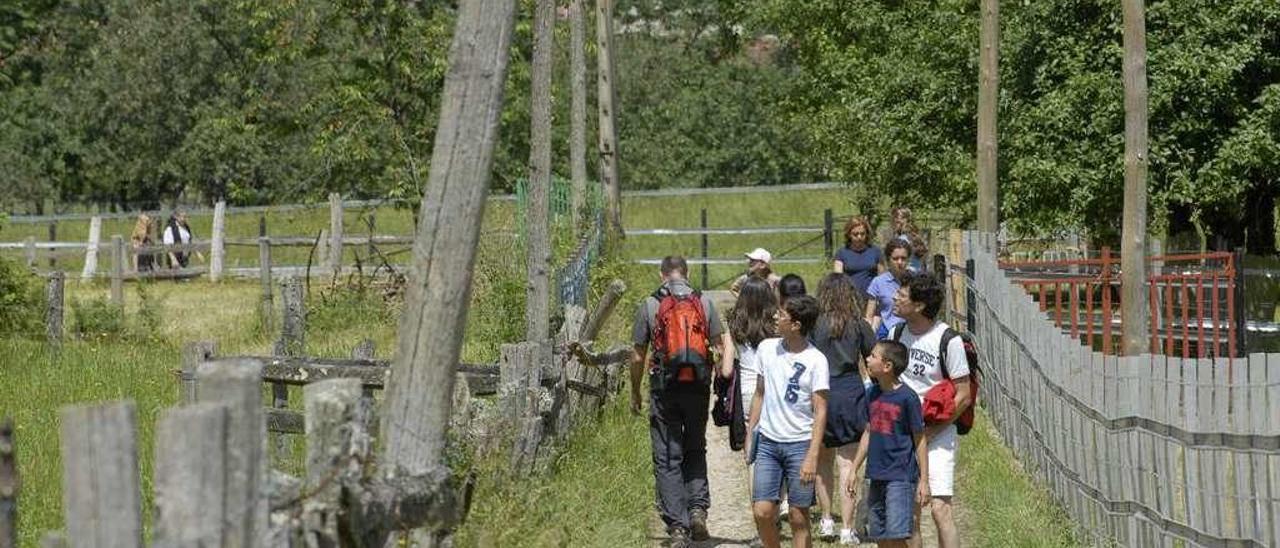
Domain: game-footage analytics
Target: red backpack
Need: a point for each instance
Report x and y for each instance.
(680, 339)
(965, 423)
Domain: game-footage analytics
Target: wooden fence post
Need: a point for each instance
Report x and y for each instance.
(53, 237)
(237, 384)
(705, 248)
(322, 248)
(606, 101)
(30, 251)
(190, 475)
(101, 496)
(335, 231)
(294, 324)
(603, 308)
(418, 402)
(537, 211)
(217, 247)
(192, 354)
(54, 306)
(267, 307)
(9, 485)
(365, 350)
(828, 234)
(335, 452)
(578, 116)
(91, 252)
(117, 270)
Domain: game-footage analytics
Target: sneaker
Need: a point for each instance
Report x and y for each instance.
(826, 527)
(680, 538)
(848, 538)
(698, 524)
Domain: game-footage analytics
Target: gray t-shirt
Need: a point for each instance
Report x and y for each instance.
(647, 316)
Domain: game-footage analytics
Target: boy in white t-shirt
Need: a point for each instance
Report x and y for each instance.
(918, 302)
(788, 418)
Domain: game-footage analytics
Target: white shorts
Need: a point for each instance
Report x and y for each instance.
(942, 462)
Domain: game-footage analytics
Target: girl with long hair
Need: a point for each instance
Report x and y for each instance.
(846, 339)
(751, 321)
(138, 239)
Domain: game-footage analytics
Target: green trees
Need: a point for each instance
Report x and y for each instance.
(889, 97)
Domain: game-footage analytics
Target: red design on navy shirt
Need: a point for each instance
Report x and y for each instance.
(883, 416)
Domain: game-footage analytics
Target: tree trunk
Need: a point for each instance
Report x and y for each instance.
(988, 108)
(607, 101)
(538, 248)
(1261, 239)
(578, 116)
(431, 327)
(1134, 296)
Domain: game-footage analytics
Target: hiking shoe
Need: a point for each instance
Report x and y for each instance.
(826, 527)
(698, 524)
(680, 538)
(848, 538)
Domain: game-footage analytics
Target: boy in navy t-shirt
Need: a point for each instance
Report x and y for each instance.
(895, 450)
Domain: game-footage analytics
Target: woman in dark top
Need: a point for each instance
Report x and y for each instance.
(846, 339)
(858, 260)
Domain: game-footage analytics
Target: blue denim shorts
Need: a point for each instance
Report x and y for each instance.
(891, 507)
(776, 464)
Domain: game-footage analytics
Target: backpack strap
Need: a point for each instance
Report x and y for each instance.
(947, 335)
(896, 333)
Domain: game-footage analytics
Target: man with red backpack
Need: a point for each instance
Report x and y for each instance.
(674, 333)
(937, 360)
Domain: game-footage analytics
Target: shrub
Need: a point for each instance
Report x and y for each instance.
(21, 300)
(97, 318)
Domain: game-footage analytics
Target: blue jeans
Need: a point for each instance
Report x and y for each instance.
(779, 463)
(892, 509)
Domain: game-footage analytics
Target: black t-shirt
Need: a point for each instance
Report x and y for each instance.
(843, 352)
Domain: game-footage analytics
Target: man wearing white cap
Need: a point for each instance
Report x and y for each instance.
(757, 265)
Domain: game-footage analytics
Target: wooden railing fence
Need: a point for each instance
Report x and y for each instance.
(1149, 450)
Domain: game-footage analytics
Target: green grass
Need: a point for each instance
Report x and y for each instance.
(1000, 504)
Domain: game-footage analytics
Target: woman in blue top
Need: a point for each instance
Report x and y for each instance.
(882, 289)
(858, 260)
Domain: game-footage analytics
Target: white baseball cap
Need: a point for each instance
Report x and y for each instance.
(760, 254)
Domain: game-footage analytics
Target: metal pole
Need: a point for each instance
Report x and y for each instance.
(1133, 264)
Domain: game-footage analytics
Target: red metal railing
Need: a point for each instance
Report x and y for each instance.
(1193, 297)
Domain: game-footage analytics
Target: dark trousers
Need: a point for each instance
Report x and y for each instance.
(678, 430)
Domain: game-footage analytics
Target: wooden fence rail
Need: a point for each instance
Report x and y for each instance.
(1147, 450)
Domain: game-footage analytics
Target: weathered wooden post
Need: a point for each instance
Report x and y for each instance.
(988, 107)
(603, 308)
(365, 350)
(9, 486)
(53, 237)
(192, 454)
(1134, 296)
(419, 399)
(218, 245)
(828, 234)
(335, 232)
(192, 354)
(267, 306)
(606, 99)
(237, 384)
(291, 344)
(91, 252)
(578, 112)
(30, 251)
(370, 248)
(333, 451)
(101, 496)
(519, 394)
(54, 306)
(117, 270)
(537, 310)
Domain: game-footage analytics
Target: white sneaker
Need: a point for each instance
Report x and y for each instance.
(848, 538)
(827, 527)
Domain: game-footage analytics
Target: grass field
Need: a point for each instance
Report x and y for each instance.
(599, 492)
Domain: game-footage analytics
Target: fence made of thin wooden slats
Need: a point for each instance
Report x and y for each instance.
(1147, 450)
